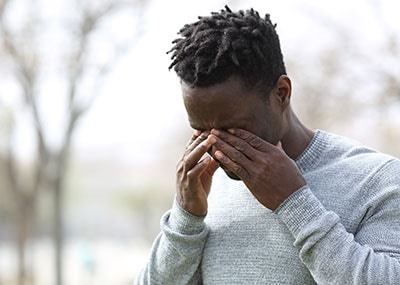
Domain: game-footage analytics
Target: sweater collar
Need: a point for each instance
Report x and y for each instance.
(313, 152)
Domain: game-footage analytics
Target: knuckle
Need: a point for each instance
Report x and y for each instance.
(188, 150)
(182, 165)
(255, 142)
(260, 171)
(243, 135)
(236, 156)
(191, 175)
(240, 146)
(179, 165)
(221, 149)
(247, 176)
(237, 169)
(202, 147)
(241, 172)
(246, 136)
(184, 162)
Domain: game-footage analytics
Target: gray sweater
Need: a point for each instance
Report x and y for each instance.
(342, 228)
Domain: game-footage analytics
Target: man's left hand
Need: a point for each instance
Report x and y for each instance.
(267, 171)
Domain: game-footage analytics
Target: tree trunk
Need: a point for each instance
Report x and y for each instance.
(25, 219)
(21, 246)
(58, 235)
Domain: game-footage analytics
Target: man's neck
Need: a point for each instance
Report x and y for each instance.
(297, 138)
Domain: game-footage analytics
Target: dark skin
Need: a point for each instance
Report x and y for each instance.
(254, 137)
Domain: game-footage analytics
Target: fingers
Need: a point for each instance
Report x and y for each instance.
(238, 150)
(196, 134)
(197, 146)
(206, 164)
(253, 140)
(195, 140)
(236, 147)
(212, 166)
(194, 174)
(239, 167)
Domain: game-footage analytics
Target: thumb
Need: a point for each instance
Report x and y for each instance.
(212, 166)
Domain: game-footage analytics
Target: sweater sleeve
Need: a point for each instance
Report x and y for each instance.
(334, 256)
(177, 251)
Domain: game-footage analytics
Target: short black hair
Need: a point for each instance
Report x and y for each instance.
(228, 43)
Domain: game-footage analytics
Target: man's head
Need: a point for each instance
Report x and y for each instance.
(225, 44)
(233, 75)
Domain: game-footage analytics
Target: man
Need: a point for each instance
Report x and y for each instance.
(295, 206)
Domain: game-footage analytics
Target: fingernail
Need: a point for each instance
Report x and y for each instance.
(215, 131)
(231, 131)
(206, 159)
(207, 142)
(212, 139)
(204, 134)
(219, 155)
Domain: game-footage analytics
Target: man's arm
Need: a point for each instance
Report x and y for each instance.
(177, 251)
(334, 256)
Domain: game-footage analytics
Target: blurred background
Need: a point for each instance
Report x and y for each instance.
(92, 124)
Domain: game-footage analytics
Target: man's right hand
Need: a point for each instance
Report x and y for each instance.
(194, 174)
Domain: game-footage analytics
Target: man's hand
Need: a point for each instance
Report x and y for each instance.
(194, 175)
(266, 170)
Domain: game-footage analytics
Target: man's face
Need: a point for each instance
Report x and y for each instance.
(230, 105)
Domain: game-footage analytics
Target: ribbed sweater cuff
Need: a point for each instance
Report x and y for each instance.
(299, 210)
(183, 222)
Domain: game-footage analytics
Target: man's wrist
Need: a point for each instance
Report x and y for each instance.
(184, 222)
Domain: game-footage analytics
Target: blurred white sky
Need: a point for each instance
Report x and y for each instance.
(140, 103)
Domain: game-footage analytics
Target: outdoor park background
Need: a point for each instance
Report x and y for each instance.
(92, 124)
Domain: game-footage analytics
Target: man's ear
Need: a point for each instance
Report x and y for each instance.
(284, 90)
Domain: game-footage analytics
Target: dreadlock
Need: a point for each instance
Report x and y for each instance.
(225, 44)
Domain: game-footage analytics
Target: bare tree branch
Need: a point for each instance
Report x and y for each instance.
(3, 6)
(12, 170)
(51, 161)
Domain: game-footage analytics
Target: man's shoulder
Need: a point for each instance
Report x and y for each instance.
(349, 147)
(352, 152)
